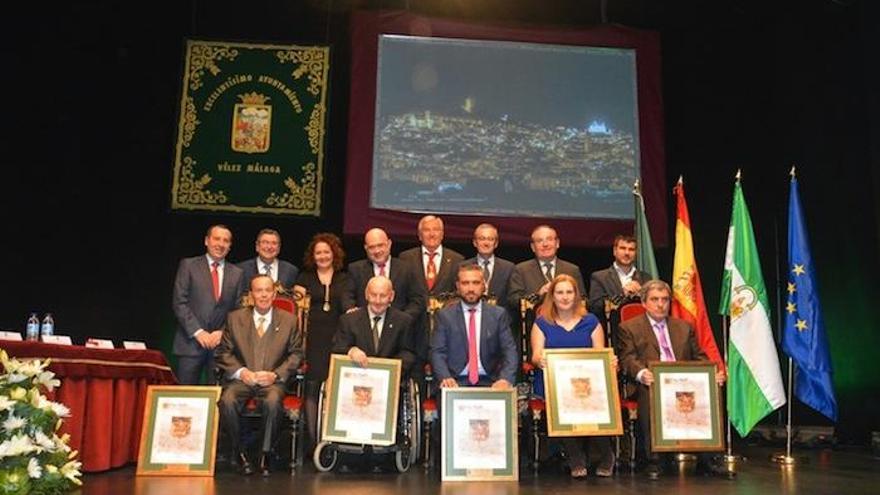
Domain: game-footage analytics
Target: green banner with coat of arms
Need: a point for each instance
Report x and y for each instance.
(251, 131)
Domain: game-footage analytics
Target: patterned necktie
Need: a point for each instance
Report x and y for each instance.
(381, 269)
(486, 274)
(267, 269)
(261, 326)
(665, 349)
(473, 366)
(215, 279)
(431, 277)
(548, 270)
(375, 329)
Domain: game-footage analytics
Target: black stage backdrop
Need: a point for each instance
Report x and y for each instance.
(87, 140)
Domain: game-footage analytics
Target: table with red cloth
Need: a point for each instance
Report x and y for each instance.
(105, 390)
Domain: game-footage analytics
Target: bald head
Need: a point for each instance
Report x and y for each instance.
(379, 294)
(377, 245)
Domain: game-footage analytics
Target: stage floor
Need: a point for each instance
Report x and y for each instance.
(848, 471)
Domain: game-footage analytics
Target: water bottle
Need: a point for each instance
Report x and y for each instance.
(33, 328)
(48, 327)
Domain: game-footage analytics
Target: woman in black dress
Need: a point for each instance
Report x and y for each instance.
(332, 294)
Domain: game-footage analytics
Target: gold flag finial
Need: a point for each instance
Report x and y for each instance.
(680, 180)
(792, 172)
(636, 188)
(738, 174)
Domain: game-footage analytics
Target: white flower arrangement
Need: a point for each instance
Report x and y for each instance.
(33, 458)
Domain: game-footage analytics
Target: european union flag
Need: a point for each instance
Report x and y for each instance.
(803, 337)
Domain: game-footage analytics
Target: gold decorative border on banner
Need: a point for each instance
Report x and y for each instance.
(211, 182)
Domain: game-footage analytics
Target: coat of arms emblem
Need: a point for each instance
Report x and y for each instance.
(251, 124)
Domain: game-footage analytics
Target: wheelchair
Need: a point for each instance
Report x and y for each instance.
(405, 450)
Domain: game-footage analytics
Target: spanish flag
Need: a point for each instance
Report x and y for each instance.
(687, 293)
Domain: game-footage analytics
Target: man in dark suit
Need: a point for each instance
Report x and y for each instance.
(435, 265)
(621, 282)
(496, 271)
(377, 330)
(268, 247)
(472, 344)
(260, 349)
(533, 277)
(657, 337)
(206, 289)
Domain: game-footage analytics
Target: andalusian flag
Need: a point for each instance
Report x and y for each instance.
(687, 291)
(803, 337)
(644, 247)
(754, 387)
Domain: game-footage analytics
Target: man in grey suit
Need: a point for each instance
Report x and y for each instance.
(533, 277)
(658, 337)
(435, 265)
(472, 344)
(621, 282)
(260, 349)
(377, 330)
(496, 271)
(268, 247)
(206, 289)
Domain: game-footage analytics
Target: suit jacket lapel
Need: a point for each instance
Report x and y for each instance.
(387, 334)
(249, 339)
(615, 280)
(652, 337)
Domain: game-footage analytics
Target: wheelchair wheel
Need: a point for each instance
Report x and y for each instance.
(403, 458)
(325, 457)
(416, 427)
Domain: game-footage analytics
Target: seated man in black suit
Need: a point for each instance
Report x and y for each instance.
(658, 337)
(268, 247)
(378, 330)
(472, 344)
(260, 349)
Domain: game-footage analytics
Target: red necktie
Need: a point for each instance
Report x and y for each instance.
(215, 278)
(432, 271)
(473, 366)
(381, 269)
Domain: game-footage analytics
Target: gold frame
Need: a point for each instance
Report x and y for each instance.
(556, 429)
(209, 447)
(661, 443)
(330, 405)
(447, 471)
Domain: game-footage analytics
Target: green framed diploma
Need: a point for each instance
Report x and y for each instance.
(360, 404)
(479, 434)
(685, 407)
(179, 434)
(582, 398)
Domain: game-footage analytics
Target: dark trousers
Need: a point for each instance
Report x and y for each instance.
(576, 449)
(190, 368)
(232, 400)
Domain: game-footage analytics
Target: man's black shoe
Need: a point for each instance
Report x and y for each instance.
(244, 464)
(265, 462)
(717, 470)
(653, 471)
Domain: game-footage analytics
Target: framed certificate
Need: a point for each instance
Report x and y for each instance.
(581, 393)
(685, 407)
(360, 406)
(179, 434)
(479, 434)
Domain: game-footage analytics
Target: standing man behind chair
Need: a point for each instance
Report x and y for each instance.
(496, 271)
(434, 264)
(472, 344)
(206, 289)
(261, 348)
(268, 247)
(533, 277)
(658, 337)
(621, 282)
(377, 330)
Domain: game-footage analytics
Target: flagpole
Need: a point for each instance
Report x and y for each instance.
(729, 457)
(785, 459)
